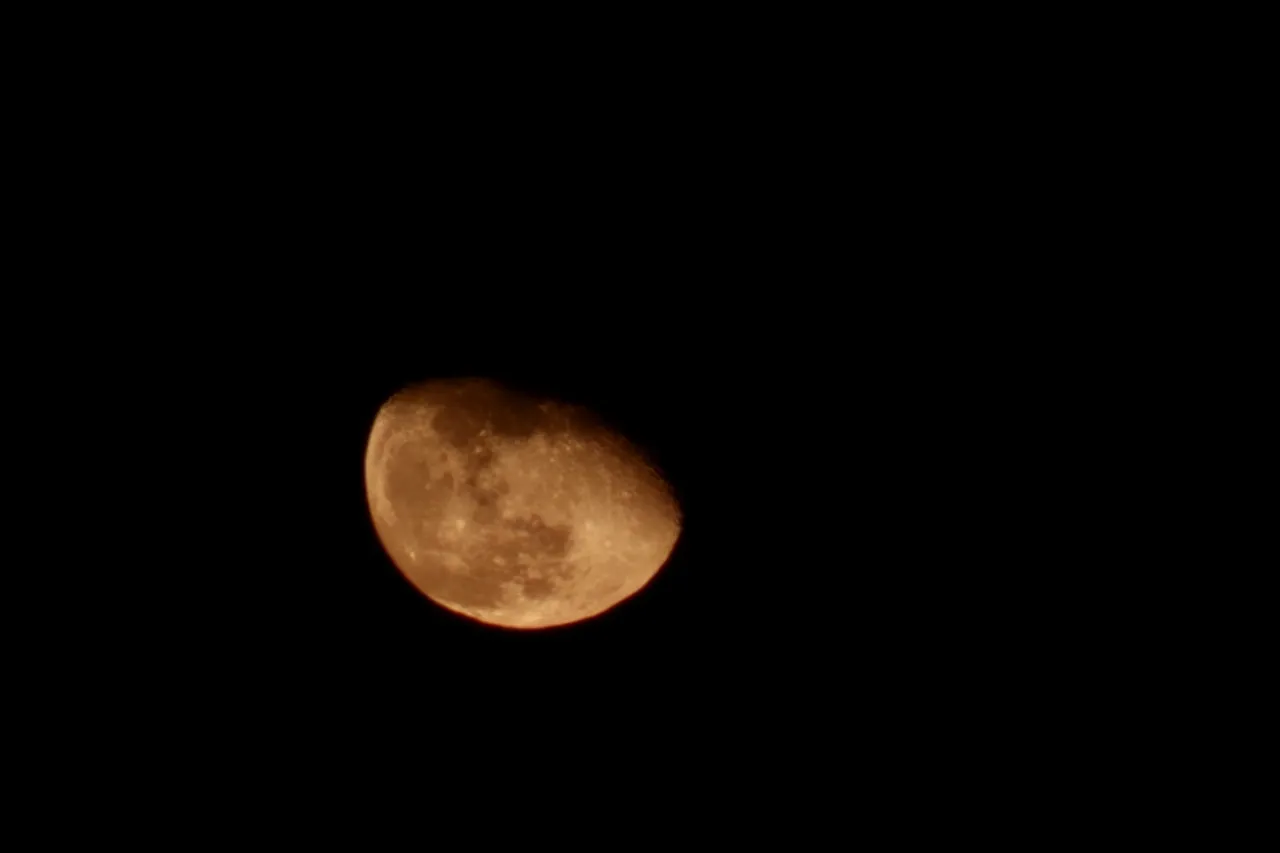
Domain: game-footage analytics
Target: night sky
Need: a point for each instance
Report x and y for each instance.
(850, 303)
(843, 537)
(851, 460)
(804, 478)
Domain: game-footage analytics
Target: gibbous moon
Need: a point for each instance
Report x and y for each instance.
(514, 511)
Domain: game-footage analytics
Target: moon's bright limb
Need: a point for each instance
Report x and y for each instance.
(510, 510)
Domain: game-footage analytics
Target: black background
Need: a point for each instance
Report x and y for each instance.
(824, 340)
(835, 553)
(837, 428)
(879, 297)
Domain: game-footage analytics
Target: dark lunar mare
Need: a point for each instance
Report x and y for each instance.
(467, 410)
(469, 415)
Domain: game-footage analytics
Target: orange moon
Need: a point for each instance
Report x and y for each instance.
(515, 511)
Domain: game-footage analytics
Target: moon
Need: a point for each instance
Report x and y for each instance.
(513, 510)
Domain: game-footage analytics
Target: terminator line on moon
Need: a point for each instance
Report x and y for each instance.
(510, 510)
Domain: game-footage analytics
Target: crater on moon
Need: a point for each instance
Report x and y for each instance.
(513, 510)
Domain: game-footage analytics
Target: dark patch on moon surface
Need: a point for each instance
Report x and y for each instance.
(474, 407)
(520, 418)
(464, 590)
(458, 425)
(534, 535)
(412, 485)
(537, 588)
(479, 584)
(485, 513)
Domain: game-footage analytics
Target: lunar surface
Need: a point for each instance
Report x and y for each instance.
(514, 511)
